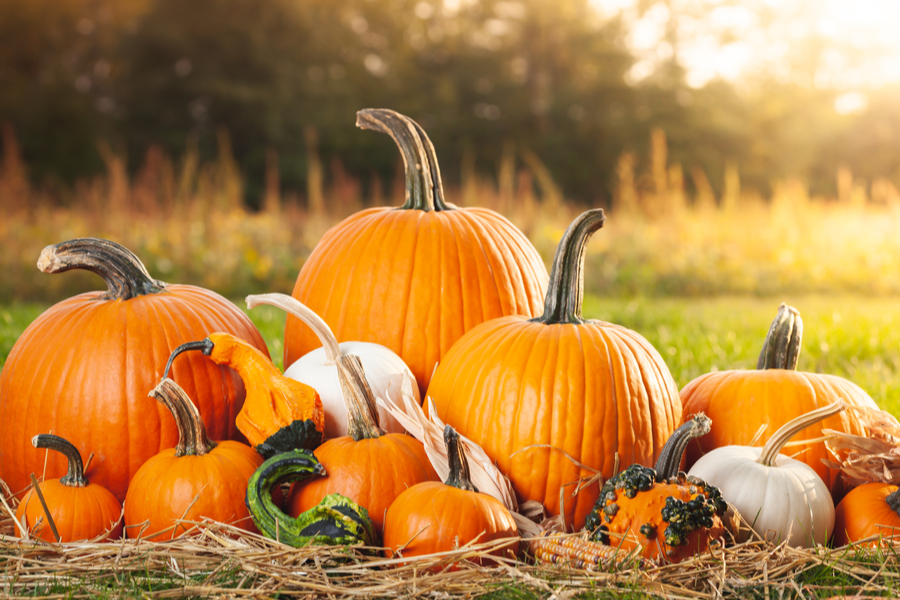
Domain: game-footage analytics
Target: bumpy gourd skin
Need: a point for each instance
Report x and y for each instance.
(672, 518)
(336, 520)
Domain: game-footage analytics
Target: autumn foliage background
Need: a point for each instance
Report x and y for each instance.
(216, 139)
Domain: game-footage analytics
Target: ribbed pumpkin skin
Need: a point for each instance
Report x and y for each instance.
(865, 512)
(591, 389)
(434, 517)
(739, 402)
(416, 281)
(371, 472)
(83, 370)
(79, 513)
(166, 485)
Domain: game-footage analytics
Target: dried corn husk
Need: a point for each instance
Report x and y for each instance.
(874, 457)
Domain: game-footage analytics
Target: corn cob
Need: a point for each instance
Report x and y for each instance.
(580, 553)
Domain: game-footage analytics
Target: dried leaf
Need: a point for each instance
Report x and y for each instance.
(429, 430)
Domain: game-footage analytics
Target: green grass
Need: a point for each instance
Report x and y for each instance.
(850, 336)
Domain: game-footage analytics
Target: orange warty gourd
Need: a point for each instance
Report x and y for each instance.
(279, 414)
(574, 386)
(666, 515)
(80, 510)
(740, 402)
(872, 509)
(368, 466)
(198, 479)
(438, 517)
(415, 278)
(83, 368)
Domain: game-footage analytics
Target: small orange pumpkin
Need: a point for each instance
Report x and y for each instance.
(872, 509)
(368, 466)
(198, 479)
(740, 402)
(438, 517)
(279, 413)
(80, 510)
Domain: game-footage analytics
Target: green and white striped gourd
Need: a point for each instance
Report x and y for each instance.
(336, 520)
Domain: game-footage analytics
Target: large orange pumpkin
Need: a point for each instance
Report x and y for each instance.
(83, 368)
(415, 278)
(540, 394)
(740, 402)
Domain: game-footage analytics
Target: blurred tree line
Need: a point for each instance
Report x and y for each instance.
(81, 80)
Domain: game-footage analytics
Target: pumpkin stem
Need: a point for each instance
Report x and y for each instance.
(75, 476)
(781, 437)
(781, 350)
(893, 500)
(310, 319)
(670, 456)
(565, 292)
(423, 176)
(123, 272)
(459, 476)
(192, 437)
(205, 346)
(362, 417)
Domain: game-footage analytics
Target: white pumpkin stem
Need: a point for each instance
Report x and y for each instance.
(781, 437)
(293, 307)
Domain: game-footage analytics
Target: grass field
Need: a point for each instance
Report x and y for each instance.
(851, 336)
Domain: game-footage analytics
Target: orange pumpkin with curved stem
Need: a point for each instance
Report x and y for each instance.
(279, 414)
(536, 394)
(415, 278)
(82, 369)
(80, 510)
(368, 466)
(437, 517)
(740, 402)
(198, 479)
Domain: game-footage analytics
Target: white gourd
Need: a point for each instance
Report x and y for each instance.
(318, 369)
(780, 497)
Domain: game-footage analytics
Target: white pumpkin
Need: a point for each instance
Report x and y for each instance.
(319, 370)
(781, 498)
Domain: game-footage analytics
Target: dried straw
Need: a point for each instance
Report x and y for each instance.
(222, 560)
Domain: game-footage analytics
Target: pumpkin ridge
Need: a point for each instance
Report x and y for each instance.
(510, 352)
(538, 271)
(383, 229)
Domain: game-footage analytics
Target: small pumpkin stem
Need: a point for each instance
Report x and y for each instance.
(565, 292)
(773, 447)
(459, 476)
(362, 416)
(205, 346)
(781, 350)
(75, 476)
(670, 456)
(123, 272)
(192, 437)
(893, 500)
(423, 175)
(304, 313)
